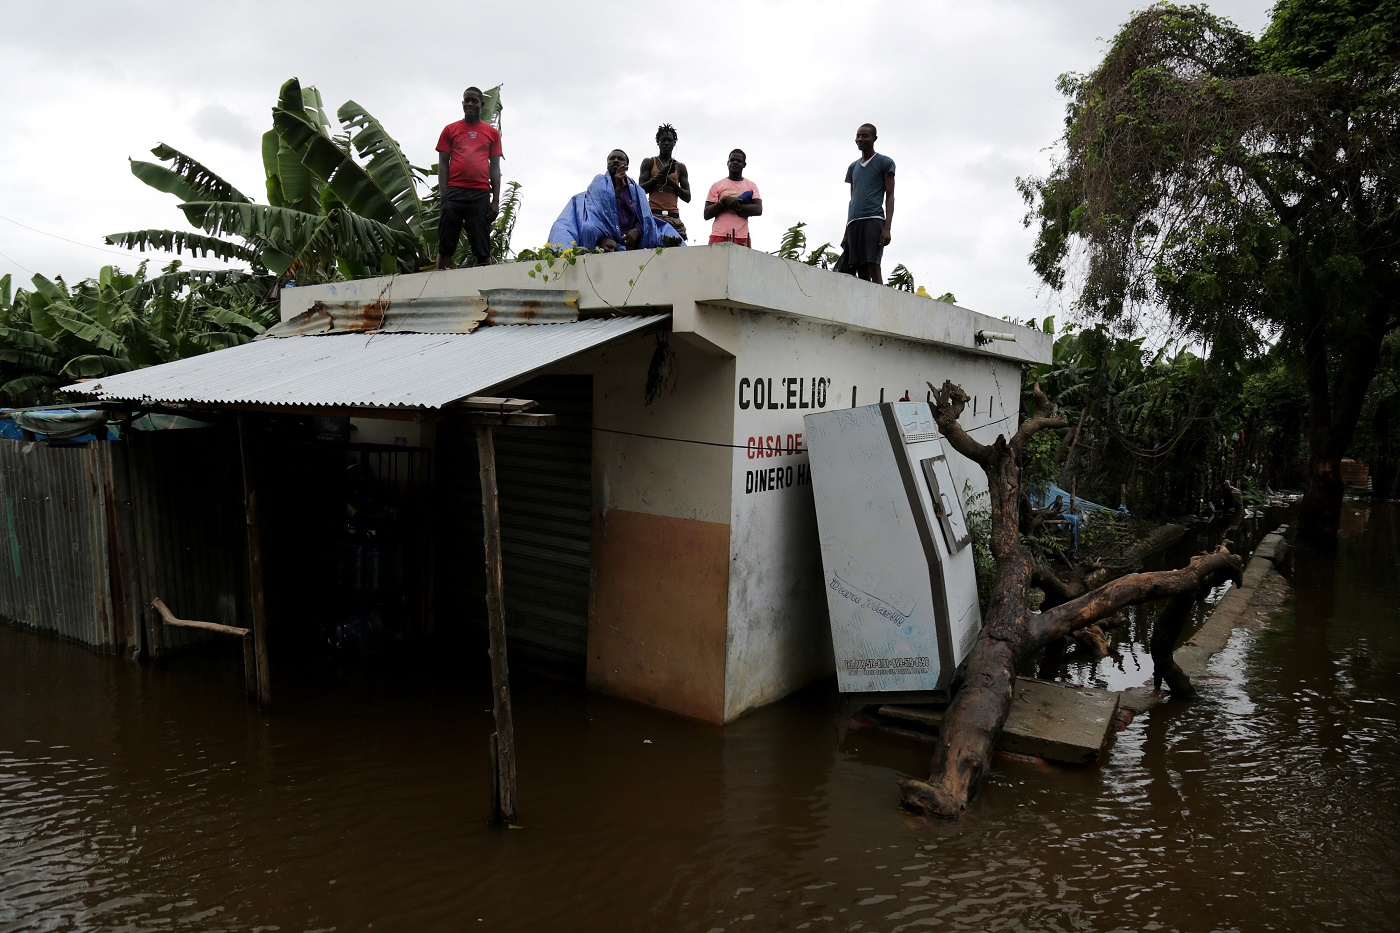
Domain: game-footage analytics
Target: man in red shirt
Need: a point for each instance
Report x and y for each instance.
(469, 182)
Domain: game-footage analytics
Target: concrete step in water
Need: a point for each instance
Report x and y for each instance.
(1059, 722)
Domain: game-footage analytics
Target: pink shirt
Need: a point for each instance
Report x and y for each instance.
(729, 222)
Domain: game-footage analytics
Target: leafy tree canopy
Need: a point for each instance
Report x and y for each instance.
(1246, 188)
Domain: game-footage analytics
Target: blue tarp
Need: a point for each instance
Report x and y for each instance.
(591, 216)
(58, 426)
(1043, 497)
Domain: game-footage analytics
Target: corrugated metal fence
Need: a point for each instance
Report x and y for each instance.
(55, 574)
(94, 533)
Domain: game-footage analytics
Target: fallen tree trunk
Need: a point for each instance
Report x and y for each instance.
(1011, 633)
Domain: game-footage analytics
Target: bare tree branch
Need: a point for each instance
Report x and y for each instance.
(1044, 416)
(948, 405)
(1206, 569)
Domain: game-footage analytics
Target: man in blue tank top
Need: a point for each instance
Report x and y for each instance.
(871, 211)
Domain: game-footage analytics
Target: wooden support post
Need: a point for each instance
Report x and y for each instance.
(428, 487)
(255, 574)
(503, 742)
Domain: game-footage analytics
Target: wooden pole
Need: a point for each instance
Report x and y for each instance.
(255, 574)
(427, 491)
(503, 742)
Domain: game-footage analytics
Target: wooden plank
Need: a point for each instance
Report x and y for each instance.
(491, 403)
(518, 420)
(1049, 720)
(255, 574)
(503, 742)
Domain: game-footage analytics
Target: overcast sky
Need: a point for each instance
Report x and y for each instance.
(963, 95)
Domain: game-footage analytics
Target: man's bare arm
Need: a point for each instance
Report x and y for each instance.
(443, 159)
(495, 186)
(713, 209)
(889, 208)
(683, 182)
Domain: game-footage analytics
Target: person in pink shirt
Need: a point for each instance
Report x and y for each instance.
(731, 202)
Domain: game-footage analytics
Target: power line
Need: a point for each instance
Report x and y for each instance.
(20, 264)
(90, 246)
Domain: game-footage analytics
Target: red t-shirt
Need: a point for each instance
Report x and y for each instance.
(470, 147)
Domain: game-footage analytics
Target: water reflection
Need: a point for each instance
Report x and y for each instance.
(154, 799)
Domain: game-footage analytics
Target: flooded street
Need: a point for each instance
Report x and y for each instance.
(156, 799)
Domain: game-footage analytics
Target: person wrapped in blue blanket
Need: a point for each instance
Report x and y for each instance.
(612, 214)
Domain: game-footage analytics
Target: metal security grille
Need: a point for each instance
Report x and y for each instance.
(545, 483)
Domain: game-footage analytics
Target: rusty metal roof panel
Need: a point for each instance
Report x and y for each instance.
(381, 370)
(435, 315)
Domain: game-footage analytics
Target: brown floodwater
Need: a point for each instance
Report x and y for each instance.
(154, 799)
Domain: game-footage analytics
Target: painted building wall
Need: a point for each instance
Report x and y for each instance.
(660, 553)
(778, 637)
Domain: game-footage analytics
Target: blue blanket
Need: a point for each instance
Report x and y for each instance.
(591, 216)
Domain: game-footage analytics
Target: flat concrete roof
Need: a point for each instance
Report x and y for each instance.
(701, 285)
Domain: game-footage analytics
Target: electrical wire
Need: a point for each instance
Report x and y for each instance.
(90, 246)
(775, 450)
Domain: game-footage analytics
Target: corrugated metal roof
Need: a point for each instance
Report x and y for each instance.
(365, 370)
(436, 315)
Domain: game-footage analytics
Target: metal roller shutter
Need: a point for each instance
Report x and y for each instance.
(545, 482)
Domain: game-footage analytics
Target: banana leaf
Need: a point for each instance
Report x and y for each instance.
(491, 106)
(300, 235)
(28, 341)
(28, 359)
(270, 143)
(95, 364)
(83, 327)
(17, 387)
(205, 185)
(178, 241)
(386, 164)
(226, 318)
(172, 282)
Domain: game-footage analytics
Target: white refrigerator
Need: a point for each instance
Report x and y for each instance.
(897, 555)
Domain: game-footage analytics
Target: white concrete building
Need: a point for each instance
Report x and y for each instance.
(705, 593)
(666, 549)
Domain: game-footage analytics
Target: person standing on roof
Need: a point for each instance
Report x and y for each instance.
(731, 202)
(871, 210)
(469, 182)
(665, 180)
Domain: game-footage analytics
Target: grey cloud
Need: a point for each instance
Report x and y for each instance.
(217, 122)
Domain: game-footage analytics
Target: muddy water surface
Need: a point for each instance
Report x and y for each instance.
(154, 799)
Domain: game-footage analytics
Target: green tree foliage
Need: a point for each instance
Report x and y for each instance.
(1163, 426)
(901, 279)
(502, 228)
(1248, 190)
(117, 322)
(1378, 432)
(794, 246)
